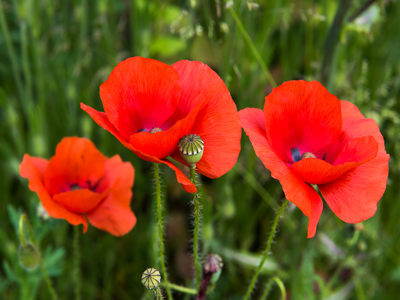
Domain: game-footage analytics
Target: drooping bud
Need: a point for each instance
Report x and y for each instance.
(308, 155)
(151, 278)
(28, 256)
(212, 267)
(191, 148)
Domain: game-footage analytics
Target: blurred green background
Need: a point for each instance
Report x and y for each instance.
(55, 54)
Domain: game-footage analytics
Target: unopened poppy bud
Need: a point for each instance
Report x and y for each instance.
(308, 155)
(212, 267)
(28, 256)
(191, 148)
(212, 264)
(151, 278)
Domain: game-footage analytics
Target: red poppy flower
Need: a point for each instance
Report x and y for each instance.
(305, 136)
(81, 185)
(149, 106)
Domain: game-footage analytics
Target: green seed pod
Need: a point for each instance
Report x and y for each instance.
(151, 278)
(191, 148)
(28, 256)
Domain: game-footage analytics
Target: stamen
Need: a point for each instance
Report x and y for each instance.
(155, 130)
(295, 154)
(308, 155)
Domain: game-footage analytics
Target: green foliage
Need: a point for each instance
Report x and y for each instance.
(55, 54)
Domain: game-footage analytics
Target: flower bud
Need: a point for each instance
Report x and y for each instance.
(151, 278)
(212, 264)
(191, 148)
(28, 256)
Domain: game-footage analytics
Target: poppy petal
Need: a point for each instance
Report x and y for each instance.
(354, 196)
(187, 185)
(164, 143)
(76, 162)
(296, 191)
(356, 125)
(117, 174)
(33, 168)
(79, 201)
(114, 215)
(317, 171)
(140, 94)
(101, 119)
(218, 122)
(302, 115)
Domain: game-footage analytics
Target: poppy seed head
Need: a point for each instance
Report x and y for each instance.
(191, 148)
(151, 278)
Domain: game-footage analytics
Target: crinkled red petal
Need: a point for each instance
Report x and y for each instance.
(33, 169)
(165, 143)
(140, 93)
(302, 115)
(114, 214)
(76, 162)
(218, 122)
(296, 191)
(353, 154)
(354, 196)
(101, 119)
(79, 201)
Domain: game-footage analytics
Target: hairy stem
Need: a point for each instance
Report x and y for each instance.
(267, 249)
(161, 228)
(181, 289)
(197, 212)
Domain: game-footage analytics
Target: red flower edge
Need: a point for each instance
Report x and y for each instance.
(81, 185)
(186, 98)
(351, 166)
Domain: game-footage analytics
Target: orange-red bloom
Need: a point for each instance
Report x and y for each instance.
(304, 136)
(149, 106)
(81, 185)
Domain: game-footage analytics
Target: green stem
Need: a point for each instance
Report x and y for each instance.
(41, 263)
(76, 264)
(11, 52)
(267, 248)
(332, 39)
(21, 229)
(160, 228)
(252, 47)
(197, 212)
(158, 294)
(268, 287)
(181, 289)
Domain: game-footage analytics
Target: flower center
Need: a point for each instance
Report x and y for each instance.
(83, 185)
(153, 130)
(296, 156)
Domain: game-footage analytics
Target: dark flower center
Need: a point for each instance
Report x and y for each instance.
(297, 156)
(153, 130)
(84, 185)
